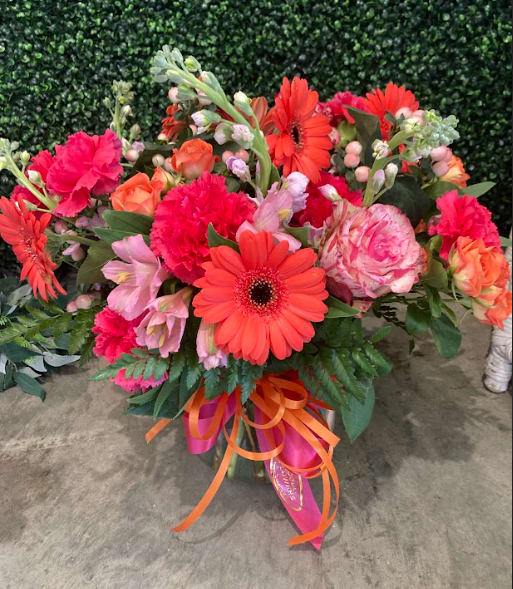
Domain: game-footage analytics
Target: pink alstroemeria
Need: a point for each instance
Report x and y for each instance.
(277, 208)
(163, 326)
(208, 353)
(139, 277)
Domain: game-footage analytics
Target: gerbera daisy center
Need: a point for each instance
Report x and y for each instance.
(297, 135)
(261, 292)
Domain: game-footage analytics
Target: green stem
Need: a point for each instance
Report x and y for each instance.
(233, 461)
(76, 238)
(259, 144)
(26, 183)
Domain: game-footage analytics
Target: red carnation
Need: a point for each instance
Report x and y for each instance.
(336, 108)
(318, 207)
(179, 232)
(86, 164)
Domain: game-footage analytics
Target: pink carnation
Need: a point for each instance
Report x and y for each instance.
(179, 232)
(114, 334)
(336, 108)
(318, 207)
(86, 164)
(370, 252)
(463, 216)
(40, 163)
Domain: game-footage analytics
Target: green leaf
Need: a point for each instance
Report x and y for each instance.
(447, 336)
(144, 398)
(505, 241)
(367, 130)
(407, 196)
(478, 190)
(434, 301)
(29, 385)
(111, 235)
(417, 320)
(380, 334)
(177, 366)
(215, 240)
(149, 367)
(439, 188)
(166, 389)
(300, 233)
(436, 275)
(129, 222)
(357, 416)
(337, 308)
(91, 269)
(194, 370)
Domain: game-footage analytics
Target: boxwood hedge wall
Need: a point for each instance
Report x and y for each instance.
(58, 59)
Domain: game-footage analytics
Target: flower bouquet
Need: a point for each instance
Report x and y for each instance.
(223, 271)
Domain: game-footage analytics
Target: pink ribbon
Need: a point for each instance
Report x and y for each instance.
(293, 489)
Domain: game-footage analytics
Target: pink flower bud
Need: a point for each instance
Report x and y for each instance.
(440, 169)
(243, 155)
(351, 160)
(334, 136)
(71, 307)
(173, 95)
(404, 111)
(362, 173)
(132, 155)
(203, 98)
(157, 160)
(82, 222)
(354, 147)
(226, 154)
(168, 166)
(83, 301)
(441, 154)
(78, 254)
(60, 227)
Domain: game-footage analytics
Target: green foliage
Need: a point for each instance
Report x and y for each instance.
(38, 338)
(68, 53)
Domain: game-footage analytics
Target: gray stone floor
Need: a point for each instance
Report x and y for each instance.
(426, 493)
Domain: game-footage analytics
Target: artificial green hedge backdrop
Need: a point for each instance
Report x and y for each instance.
(58, 59)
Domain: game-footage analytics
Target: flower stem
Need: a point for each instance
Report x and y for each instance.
(233, 462)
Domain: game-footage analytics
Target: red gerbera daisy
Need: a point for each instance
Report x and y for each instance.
(25, 233)
(302, 143)
(263, 299)
(171, 127)
(393, 99)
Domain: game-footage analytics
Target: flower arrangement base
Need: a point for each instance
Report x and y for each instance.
(252, 471)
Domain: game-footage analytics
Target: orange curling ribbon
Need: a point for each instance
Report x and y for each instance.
(290, 431)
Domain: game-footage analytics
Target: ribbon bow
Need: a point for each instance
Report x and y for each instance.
(294, 440)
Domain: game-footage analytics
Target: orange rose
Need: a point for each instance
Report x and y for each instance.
(456, 174)
(493, 306)
(193, 158)
(475, 267)
(139, 194)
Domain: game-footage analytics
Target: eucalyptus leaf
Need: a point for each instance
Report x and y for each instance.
(29, 385)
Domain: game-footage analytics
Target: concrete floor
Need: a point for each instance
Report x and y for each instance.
(426, 493)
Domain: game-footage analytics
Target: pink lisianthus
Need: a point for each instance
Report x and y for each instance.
(370, 252)
(40, 163)
(462, 216)
(163, 326)
(336, 108)
(277, 208)
(208, 353)
(139, 277)
(86, 164)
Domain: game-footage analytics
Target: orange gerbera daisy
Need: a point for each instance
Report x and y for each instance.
(263, 299)
(394, 98)
(302, 143)
(20, 229)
